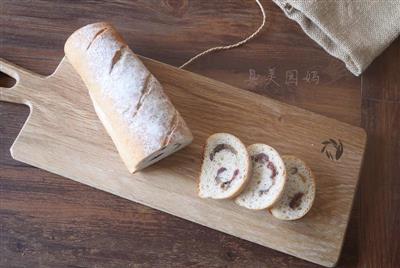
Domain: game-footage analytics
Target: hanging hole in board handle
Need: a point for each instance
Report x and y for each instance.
(13, 94)
(6, 81)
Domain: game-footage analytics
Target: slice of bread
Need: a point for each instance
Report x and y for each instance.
(226, 167)
(299, 193)
(267, 181)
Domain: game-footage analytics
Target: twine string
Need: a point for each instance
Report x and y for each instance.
(227, 47)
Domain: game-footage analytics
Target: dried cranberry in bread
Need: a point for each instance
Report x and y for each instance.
(226, 167)
(141, 120)
(299, 193)
(267, 180)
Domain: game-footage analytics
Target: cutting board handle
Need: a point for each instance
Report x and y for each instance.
(19, 92)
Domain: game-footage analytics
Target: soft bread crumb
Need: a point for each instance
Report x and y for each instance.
(225, 169)
(267, 181)
(299, 193)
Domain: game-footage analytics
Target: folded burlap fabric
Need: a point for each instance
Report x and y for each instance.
(355, 31)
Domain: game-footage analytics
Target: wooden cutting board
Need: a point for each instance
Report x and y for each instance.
(63, 135)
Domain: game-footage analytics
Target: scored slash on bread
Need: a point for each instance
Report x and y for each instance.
(299, 193)
(267, 181)
(226, 167)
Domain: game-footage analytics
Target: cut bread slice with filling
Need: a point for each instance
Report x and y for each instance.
(226, 167)
(267, 181)
(299, 193)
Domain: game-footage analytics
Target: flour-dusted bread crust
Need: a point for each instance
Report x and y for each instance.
(130, 102)
(226, 167)
(299, 193)
(267, 181)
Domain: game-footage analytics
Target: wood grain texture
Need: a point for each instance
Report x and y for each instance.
(64, 136)
(379, 205)
(50, 221)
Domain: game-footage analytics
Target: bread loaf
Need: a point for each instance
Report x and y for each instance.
(299, 193)
(226, 167)
(141, 120)
(267, 181)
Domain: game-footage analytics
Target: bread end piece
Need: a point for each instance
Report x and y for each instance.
(130, 102)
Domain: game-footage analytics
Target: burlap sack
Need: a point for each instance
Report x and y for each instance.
(355, 31)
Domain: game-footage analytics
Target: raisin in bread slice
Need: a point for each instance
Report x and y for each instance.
(267, 181)
(226, 167)
(299, 193)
